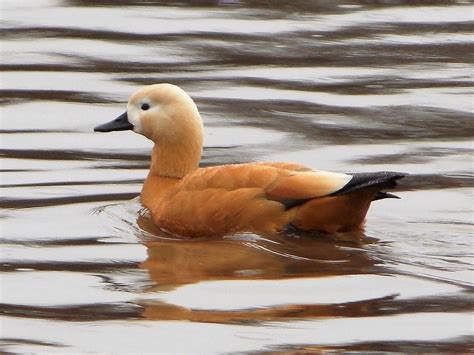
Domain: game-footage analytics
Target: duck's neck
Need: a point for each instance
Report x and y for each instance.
(169, 164)
(175, 160)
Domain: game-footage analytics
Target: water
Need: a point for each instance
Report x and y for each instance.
(337, 85)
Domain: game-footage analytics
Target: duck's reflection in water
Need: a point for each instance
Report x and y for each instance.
(172, 263)
(165, 311)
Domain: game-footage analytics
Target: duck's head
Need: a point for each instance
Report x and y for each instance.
(157, 112)
(168, 116)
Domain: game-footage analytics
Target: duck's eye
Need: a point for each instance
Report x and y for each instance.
(145, 107)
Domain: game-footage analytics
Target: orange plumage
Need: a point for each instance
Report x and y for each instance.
(264, 198)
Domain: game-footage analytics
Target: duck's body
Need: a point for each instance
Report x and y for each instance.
(263, 198)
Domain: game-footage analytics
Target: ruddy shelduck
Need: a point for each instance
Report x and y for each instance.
(263, 198)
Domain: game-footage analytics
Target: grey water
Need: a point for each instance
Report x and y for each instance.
(337, 85)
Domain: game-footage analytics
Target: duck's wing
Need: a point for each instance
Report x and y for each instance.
(287, 183)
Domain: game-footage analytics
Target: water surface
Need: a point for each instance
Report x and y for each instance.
(337, 85)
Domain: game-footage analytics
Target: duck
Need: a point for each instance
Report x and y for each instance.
(264, 198)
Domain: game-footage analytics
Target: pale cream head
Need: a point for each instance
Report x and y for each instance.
(161, 111)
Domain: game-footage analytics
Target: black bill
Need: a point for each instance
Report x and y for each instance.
(119, 124)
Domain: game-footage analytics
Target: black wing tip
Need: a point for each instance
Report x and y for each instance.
(382, 174)
(381, 179)
(393, 176)
(396, 175)
(382, 195)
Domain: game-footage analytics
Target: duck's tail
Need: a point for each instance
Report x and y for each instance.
(380, 180)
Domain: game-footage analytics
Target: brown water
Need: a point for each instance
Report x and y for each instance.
(338, 85)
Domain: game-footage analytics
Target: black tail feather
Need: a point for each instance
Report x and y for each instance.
(381, 195)
(382, 180)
